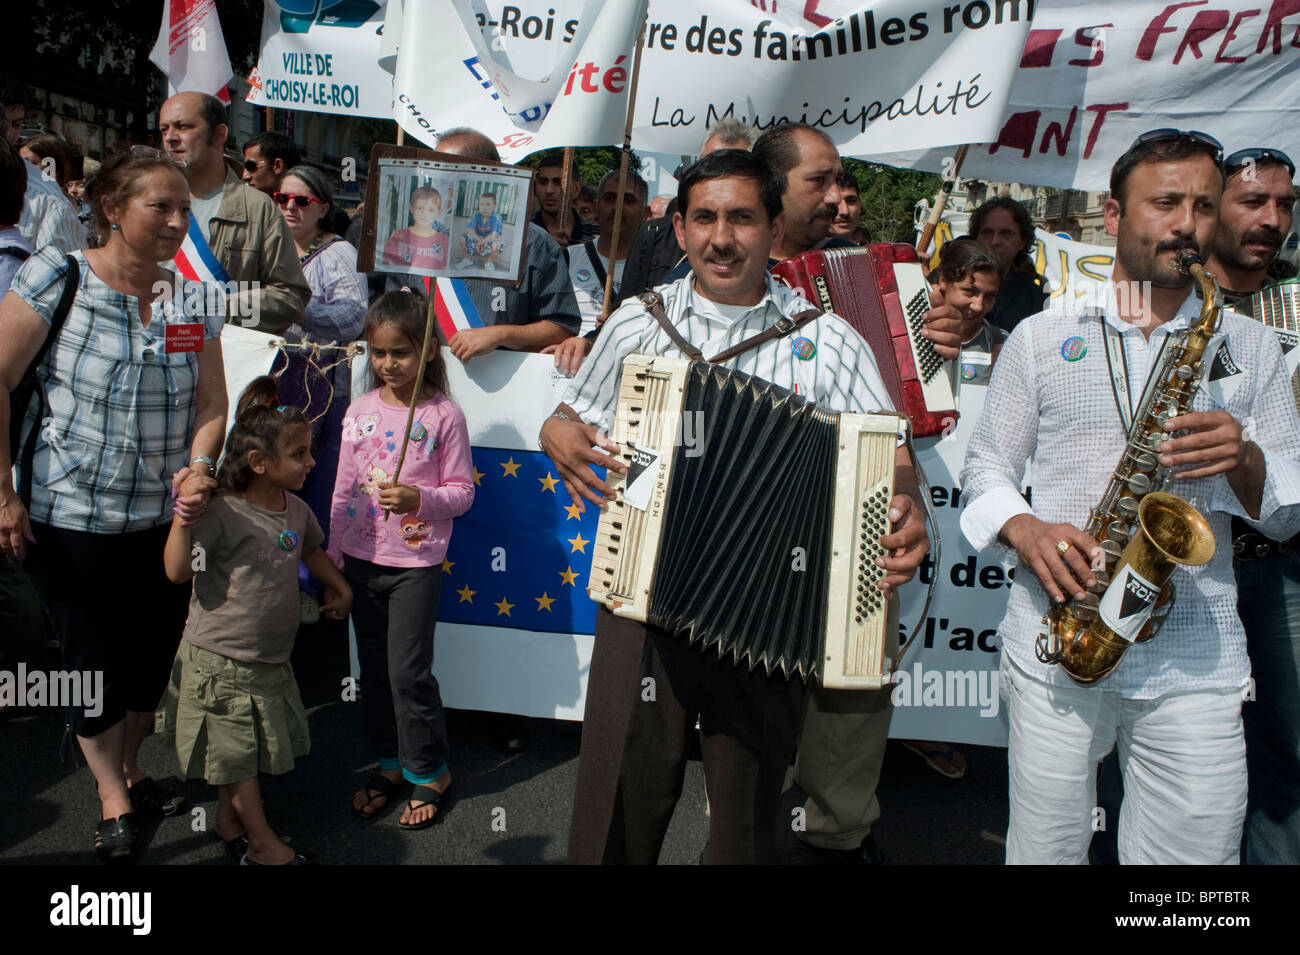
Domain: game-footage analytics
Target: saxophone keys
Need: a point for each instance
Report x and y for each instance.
(1185, 372)
(1127, 507)
(1118, 530)
(1145, 462)
(1111, 549)
(1139, 483)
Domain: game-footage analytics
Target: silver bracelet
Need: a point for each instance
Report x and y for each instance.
(204, 459)
(555, 414)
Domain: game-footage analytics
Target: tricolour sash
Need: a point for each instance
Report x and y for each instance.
(195, 260)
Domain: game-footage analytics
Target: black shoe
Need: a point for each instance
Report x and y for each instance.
(512, 733)
(115, 839)
(149, 796)
(868, 853)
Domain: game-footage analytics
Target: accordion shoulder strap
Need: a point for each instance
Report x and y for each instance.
(655, 306)
(784, 326)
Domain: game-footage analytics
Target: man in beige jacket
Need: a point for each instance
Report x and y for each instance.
(242, 226)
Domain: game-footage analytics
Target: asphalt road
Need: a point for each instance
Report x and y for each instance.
(507, 809)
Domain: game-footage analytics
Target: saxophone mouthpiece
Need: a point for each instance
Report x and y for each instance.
(1185, 259)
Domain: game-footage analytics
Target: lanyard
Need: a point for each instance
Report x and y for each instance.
(1117, 363)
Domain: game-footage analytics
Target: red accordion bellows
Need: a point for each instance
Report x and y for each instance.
(862, 287)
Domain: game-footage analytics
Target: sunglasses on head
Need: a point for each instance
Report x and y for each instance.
(302, 202)
(1257, 154)
(1169, 134)
(148, 152)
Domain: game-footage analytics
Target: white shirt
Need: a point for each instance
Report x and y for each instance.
(588, 287)
(1061, 416)
(838, 373)
(11, 238)
(49, 217)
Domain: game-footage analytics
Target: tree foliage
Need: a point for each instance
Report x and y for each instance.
(593, 162)
(889, 197)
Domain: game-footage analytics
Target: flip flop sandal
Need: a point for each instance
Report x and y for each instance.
(382, 788)
(947, 754)
(426, 795)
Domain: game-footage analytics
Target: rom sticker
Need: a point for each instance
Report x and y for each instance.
(642, 473)
(1126, 605)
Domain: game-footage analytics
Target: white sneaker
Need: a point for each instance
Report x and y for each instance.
(465, 263)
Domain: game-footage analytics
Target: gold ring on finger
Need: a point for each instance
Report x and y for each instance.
(1062, 547)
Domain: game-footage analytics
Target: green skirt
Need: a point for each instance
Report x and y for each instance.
(231, 719)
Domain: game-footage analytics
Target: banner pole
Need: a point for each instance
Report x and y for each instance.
(268, 121)
(622, 170)
(940, 202)
(401, 135)
(415, 395)
(564, 190)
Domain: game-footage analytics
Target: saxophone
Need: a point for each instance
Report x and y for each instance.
(1144, 533)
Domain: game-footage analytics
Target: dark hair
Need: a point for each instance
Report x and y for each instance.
(260, 423)
(1018, 213)
(13, 91)
(13, 184)
(476, 146)
(846, 180)
(779, 148)
(727, 164)
(864, 238)
(639, 185)
(117, 180)
(408, 309)
(273, 146)
(213, 113)
(554, 159)
(335, 219)
(52, 146)
(963, 256)
(1160, 150)
(586, 194)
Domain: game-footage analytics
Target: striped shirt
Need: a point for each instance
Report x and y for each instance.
(48, 216)
(1050, 402)
(824, 360)
(120, 415)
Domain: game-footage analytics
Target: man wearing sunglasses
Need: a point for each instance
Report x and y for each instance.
(1067, 381)
(1254, 220)
(267, 157)
(237, 234)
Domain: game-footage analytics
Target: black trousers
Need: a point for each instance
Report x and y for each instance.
(636, 735)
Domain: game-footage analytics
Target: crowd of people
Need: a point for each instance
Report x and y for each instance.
(119, 477)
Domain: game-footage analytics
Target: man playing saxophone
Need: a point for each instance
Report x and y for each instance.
(1065, 396)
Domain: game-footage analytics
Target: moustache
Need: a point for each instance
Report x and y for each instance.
(1173, 245)
(1264, 235)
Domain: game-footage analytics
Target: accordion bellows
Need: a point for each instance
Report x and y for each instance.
(758, 540)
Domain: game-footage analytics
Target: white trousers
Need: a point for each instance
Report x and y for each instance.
(1182, 756)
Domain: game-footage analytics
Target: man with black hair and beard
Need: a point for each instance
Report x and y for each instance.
(1254, 220)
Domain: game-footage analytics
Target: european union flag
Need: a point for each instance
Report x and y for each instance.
(520, 557)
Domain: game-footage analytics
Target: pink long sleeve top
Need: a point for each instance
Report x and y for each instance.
(437, 464)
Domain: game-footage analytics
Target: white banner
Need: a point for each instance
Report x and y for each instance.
(322, 58)
(1093, 76)
(882, 76)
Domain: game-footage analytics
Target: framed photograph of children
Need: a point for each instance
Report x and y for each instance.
(435, 215)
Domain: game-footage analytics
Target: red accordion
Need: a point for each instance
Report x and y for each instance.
(881, 292)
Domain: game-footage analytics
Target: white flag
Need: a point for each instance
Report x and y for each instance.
(570, 89)
(191, 50)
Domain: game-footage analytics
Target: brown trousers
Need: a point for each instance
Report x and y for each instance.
(636, 735)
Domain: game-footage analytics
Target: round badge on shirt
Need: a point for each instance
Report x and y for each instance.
(803, 348)
(288, 540)
(583, 275)
(418, 431)
(1073, 348)
(968, 372)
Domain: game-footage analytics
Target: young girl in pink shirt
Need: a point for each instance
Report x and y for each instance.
(390, 540)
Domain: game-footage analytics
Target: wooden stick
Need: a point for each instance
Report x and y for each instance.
(401, 136)
(415, 395)
(940, 202)
(564, 190)
(622, 172)
(268, 120)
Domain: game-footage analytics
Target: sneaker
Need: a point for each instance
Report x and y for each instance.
(308, 608)
(465, 263)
